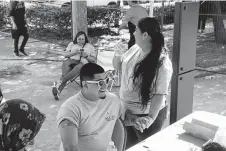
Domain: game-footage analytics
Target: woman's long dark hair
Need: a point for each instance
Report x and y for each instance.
(79, 34)
(146, 70)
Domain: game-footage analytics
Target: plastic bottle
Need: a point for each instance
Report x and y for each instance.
(111, 146)
(220, 137)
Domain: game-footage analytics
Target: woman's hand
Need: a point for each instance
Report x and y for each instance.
(143, 123)
(130, 119)
(84, 54)
(84, 61)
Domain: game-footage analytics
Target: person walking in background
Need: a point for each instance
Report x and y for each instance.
(133, 15)
(86, 120)
(19, 25)
(203, 11)
(146, 75)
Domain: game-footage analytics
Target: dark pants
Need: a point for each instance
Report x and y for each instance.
(202, 22)
(134, 136)
(132, 29)
(21, 31)
(70, 69)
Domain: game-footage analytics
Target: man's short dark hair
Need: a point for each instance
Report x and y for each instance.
(88, 71)
(213, 146)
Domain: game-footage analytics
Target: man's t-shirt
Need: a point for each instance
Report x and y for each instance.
(17, 10)
(95, 120)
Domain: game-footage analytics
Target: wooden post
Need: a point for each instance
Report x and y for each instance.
(151, 9)
(79, 16)
(183, 59)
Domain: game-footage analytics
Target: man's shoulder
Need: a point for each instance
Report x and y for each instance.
(70, 106)
(73, 100)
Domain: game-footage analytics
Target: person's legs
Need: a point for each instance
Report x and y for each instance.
(131, 137)
(203, 23)
(67, 66)
(155, 127)
(73, 73)
(24, 32)
(16, 37)
(70, 75)
(199, 23)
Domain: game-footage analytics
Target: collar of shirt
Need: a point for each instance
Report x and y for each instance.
(94, 103)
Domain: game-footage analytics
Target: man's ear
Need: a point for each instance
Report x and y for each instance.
(84, 84)
(145, 35)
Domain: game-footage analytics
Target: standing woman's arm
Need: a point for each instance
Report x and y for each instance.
(156, 102)
(162, 87)
(162, 84)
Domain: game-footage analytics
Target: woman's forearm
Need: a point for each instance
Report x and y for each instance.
(130, 119)
(156, 102)
(70, 54)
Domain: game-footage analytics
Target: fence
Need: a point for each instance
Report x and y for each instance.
(211, 33)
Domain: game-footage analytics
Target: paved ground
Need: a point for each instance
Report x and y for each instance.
(31, 80)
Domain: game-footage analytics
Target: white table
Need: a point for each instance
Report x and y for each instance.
(174, 138)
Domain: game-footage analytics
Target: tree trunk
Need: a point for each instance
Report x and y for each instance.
(79, 16)
(219, 30)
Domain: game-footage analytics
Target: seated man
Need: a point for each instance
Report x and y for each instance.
(86, 120)
(78, 52)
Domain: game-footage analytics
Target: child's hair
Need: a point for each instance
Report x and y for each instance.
(213, 146)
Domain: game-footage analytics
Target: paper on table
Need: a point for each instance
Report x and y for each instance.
(199, 131)
(204, 124)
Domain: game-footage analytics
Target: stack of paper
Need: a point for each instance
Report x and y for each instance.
(200, 129)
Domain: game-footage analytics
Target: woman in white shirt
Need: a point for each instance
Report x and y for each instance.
(146, 74)
(78, 52)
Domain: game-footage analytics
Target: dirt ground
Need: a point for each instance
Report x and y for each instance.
(31, 80)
